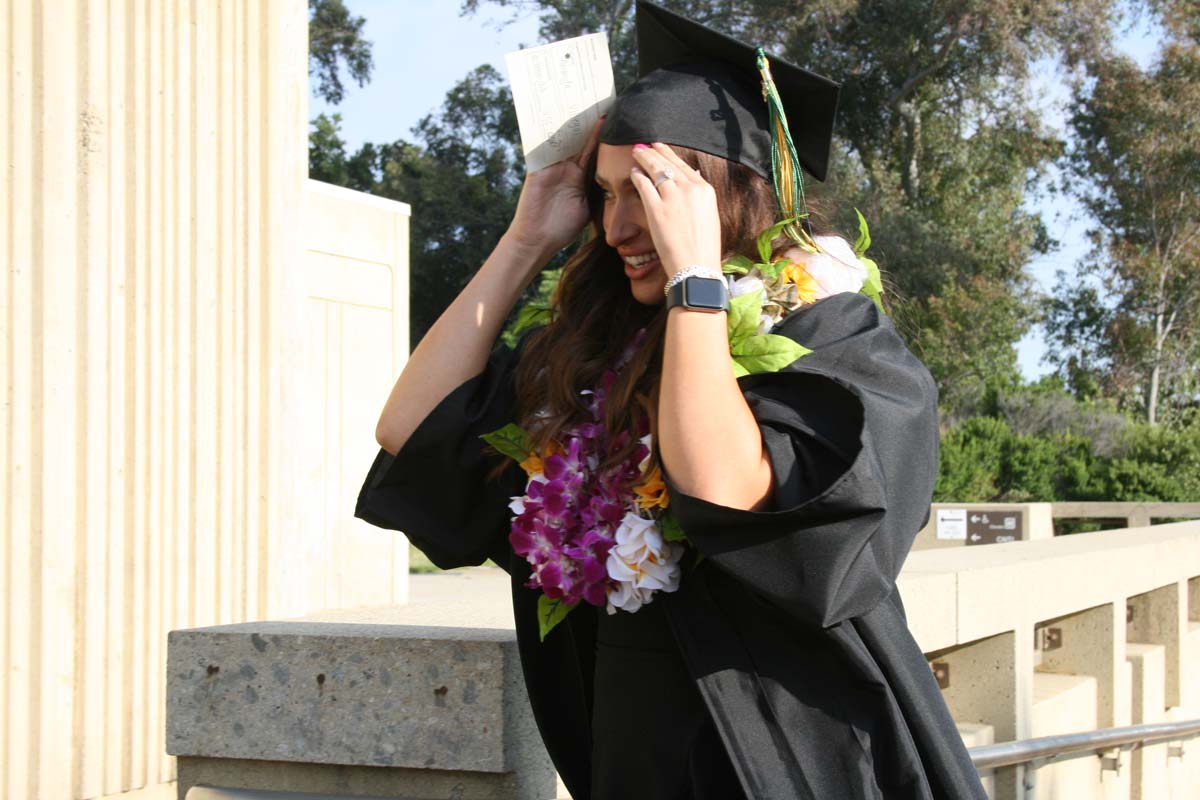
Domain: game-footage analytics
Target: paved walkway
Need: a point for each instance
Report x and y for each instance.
(476, 597)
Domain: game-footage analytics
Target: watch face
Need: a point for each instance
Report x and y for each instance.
(704, 293)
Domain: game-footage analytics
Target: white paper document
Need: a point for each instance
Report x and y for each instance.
(560, 90)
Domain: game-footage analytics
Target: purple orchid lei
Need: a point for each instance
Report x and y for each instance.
(602, 536)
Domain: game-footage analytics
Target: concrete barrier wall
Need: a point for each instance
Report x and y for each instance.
(1030, 639)
(1064, 635)
(355, 709)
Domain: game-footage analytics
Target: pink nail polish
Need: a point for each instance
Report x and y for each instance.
(641, 147)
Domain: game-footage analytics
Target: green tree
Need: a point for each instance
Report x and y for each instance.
(328, 160)
(335, 38)
(1126, 323)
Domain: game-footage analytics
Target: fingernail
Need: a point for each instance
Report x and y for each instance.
(641, 147)
(638, 171)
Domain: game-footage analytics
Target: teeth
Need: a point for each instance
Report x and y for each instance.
(637, 261)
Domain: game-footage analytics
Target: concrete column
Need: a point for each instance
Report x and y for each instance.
(1139, 517)
(1088, 644)
(989, 684)
(1148, 765)
(1160, 617)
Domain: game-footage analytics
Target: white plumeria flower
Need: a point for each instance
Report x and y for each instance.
(747, 284)
(627, 598)
(641, 563)
(836, 269)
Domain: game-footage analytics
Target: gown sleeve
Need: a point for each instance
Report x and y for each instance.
(440, 490)
(851, 431)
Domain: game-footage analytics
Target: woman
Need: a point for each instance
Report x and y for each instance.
(769, 656)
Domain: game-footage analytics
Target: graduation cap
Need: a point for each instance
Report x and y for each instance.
(701, 89)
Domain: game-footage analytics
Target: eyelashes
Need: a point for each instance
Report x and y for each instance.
(608, 196)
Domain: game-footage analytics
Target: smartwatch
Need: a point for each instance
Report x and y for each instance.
(699, 294)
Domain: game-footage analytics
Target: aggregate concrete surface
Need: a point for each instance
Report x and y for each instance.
(233, 689)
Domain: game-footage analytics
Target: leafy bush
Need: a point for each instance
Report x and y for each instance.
(1035, 447)
(1155, 463)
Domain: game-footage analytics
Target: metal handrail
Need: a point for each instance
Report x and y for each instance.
(1047, 748)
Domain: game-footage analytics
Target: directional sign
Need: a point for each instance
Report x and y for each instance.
(952, 523)
(994, 526)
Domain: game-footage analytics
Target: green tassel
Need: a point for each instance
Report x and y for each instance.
(786, 172)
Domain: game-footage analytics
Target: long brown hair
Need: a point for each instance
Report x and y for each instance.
(595, 316)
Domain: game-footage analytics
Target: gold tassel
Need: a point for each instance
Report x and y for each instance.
(786, 172)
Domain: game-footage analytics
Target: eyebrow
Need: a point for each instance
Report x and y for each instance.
(604, 183)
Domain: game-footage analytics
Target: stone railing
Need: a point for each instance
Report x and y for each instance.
(1136, 515)
(1031, 638)
(1069, 634)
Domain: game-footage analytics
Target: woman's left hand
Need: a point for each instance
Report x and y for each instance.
(681, 210)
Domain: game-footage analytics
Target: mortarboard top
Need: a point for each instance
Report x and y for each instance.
(701, 89)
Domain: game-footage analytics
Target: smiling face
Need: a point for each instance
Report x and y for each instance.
(625, 227)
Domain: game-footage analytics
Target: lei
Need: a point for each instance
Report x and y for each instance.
(607, 537)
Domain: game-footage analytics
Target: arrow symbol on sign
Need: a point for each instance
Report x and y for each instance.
(975, 537)
(974, 518)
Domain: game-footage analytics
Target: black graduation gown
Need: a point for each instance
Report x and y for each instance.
(791, 625)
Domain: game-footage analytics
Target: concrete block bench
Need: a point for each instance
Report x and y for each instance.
(352, 709)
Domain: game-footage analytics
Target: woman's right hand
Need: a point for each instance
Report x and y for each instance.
(553, 205)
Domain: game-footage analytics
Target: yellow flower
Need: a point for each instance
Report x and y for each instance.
(652, 492)
(806, 286)
(532, 464)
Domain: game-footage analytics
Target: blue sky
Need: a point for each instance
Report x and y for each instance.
(423, 48)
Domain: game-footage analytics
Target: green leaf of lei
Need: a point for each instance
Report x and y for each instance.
(671, 529)
(511, 440)
(873, 286)
(531, 316)
(738, 265)
(743, 316)
(766, 237)
(550, 613)
(536, 312)
(771, 271)
(864, 235)
(766, 353)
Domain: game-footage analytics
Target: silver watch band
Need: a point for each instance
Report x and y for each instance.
(694, 271)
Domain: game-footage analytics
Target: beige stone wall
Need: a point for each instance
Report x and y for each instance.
(353, 340)
(154, 308)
